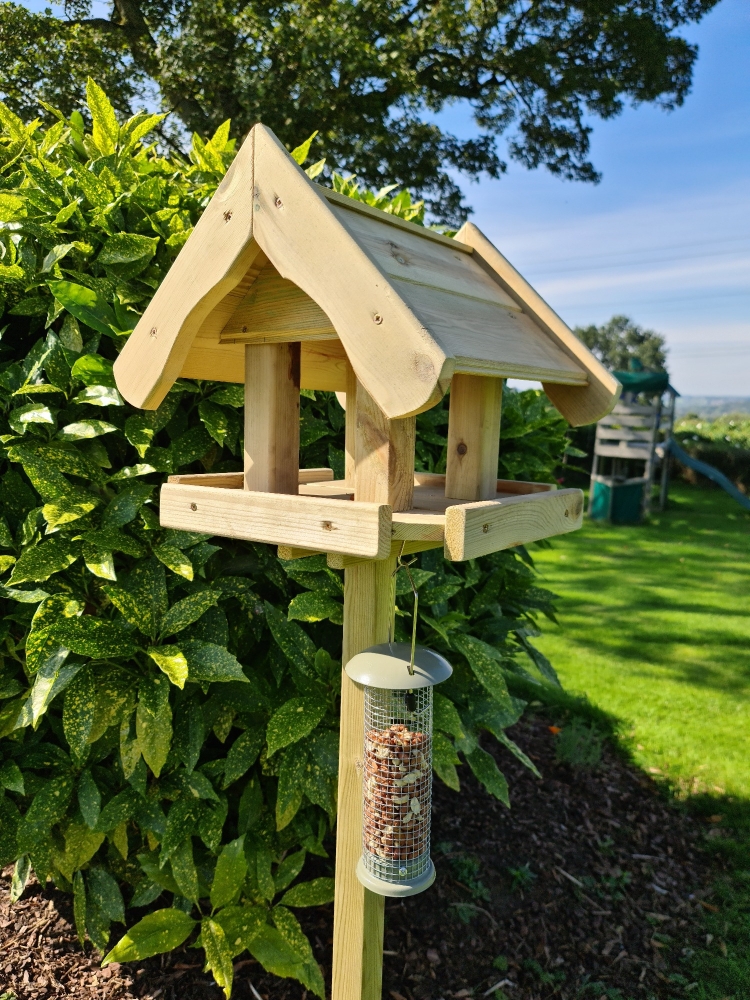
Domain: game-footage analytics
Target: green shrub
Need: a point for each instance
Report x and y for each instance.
(723, 442)
(168, 729)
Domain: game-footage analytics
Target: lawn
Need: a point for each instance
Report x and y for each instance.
(654, 627)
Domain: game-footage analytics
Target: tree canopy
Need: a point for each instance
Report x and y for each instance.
(371, 75)
(621, 344)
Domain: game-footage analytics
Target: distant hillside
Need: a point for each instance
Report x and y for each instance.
(712, 406)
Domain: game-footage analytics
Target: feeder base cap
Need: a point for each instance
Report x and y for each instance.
(409, 887)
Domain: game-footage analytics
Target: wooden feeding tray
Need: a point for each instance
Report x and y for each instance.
(324, 517)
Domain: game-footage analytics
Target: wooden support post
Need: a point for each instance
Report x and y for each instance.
(272, 376)
(384, 472)
(383, 454)
(473, 437)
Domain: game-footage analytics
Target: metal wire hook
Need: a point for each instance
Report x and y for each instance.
(401, 564)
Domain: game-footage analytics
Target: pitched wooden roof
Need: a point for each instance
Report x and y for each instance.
(277, 257)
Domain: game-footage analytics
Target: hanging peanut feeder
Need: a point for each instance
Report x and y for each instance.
(397, 771)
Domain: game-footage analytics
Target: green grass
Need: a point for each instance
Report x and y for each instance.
(655, 630)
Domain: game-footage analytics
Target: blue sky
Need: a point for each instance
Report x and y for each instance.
(665, 237)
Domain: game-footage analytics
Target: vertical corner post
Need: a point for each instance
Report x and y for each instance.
(272, 380)
(383, 471)
(473, 437)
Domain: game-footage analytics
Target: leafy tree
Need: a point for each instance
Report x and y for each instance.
(369, 74)
(620, 341)
(169, 702)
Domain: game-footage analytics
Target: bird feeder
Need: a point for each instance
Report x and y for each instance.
(397, 770)
(285, 285)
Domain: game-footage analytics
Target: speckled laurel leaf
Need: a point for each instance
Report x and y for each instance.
(259, 860)
(99, 562)
(158, 932)
(483, 660)
(189, 734)
(84, 430)
(119, 809)
(182, 821)
(296, 718)
(105, 893)
(42, 561)
(218, 954)
(209, 662)
(445, 716)
(11, 777)
(315, 893)
(274, 953)
(153, 721)
(81, 844)
(79, 906)
(123, 508)
(184, 871)
(171, 661)
(115, 541)
(174, 559)
(50, 680)
(229, 874)
(9, 820)
(78, 713)
(290, 789)
(48, 807)
(106, 131)
(89, 799)
(289, 869)
(444, 760)
(241, 924)
(295, 644)
(94, 637)
(211, 823)
(187, 611)
(486, 771)
(314, 607)
(242, 754)
(309, 971)
(142, 596)
(40, 644)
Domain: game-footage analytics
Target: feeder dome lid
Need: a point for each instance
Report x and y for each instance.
(387, 666)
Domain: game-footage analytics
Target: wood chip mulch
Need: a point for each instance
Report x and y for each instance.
(590, 885)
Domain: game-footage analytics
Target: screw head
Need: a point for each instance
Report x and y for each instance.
(278, 202)
(194, 506)
(462, 448)
(227, 216)
(400, 260)
(485, 528)
(244, 329)
(567, 512)
(152, 331)
(377, 319)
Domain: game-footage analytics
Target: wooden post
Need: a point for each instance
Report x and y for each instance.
(383, 454)
(383, 472)
(473, 437)
(272, 376)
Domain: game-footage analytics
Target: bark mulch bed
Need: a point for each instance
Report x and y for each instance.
(591, 885)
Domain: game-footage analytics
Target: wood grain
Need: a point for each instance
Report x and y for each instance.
(358, 913)
(473, 530)
(578, 404)
(301, 522)
(275, 309)
(384, 454)
(272, 383)
(473, 437)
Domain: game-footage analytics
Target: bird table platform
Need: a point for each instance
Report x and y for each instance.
(285, 285)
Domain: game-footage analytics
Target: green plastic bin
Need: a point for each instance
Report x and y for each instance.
(618, 503)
